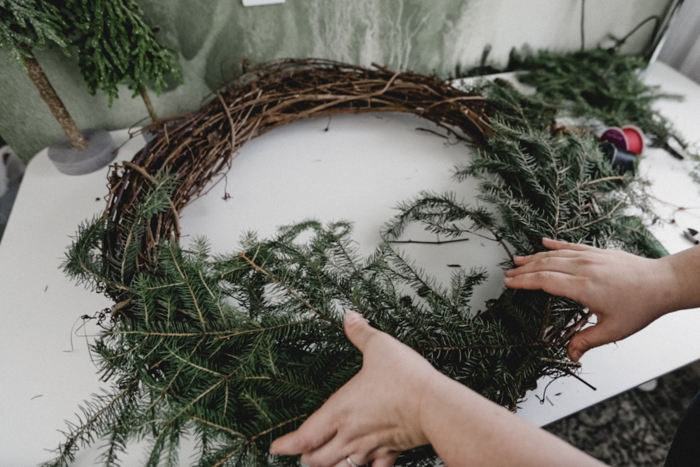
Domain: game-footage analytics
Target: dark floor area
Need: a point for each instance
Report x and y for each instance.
(635, 428)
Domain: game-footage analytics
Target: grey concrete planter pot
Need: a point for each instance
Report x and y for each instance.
(98, 154)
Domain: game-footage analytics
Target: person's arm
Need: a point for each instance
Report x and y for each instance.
(466, 429)
(399, 401)
(624, 291)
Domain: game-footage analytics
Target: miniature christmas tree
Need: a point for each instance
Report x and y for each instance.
(117, 47)
(34, 24)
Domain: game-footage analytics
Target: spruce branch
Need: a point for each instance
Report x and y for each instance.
(289, 290)
(163, 184)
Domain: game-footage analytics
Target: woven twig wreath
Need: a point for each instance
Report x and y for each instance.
(201, 145)
(182, 356)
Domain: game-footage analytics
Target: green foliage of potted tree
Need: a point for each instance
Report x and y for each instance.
(114, 47)
(117, 47)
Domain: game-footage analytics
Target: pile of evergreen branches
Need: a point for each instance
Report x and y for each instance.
(236, 350)
(604, 86)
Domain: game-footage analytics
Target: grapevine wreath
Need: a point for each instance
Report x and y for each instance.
(235, 350)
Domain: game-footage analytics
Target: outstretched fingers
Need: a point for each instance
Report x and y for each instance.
(557, 249)
(553, 263)
(316, 431)
(562, 245)
(555, 283)
(361, 451)
(335, 452)
(522, 260)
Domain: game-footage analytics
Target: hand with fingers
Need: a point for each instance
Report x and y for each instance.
(398, 401)
(624, 291)
(374, 416)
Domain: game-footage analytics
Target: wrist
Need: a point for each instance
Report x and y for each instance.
(667, 288)
(434, 393)
(444, 405)
(684, 271)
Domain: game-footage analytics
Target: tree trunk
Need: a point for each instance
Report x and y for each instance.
(149, 105)
(48, 93)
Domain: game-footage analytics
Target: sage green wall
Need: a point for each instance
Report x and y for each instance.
(212, 37)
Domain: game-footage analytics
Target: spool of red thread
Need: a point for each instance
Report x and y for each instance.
(635, 139)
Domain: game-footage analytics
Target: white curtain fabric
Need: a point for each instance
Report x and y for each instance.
(681, 49)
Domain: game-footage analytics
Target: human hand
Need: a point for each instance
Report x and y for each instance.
(624, 291)
(375, 415)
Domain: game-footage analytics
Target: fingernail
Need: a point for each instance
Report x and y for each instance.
(352, 317)
(518, 258)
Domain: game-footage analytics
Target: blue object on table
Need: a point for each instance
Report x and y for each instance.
(622, 160)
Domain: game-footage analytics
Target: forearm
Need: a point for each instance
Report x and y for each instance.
(686, 270)
(466, 429)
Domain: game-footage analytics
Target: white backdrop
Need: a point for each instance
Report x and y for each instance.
(681, 49)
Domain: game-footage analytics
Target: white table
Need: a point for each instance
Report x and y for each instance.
(358, 170)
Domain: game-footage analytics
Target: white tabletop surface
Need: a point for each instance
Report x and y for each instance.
(357, 170)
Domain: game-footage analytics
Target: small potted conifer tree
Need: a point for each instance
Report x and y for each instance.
(115, 46)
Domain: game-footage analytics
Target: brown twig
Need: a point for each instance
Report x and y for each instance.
(436, 242)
